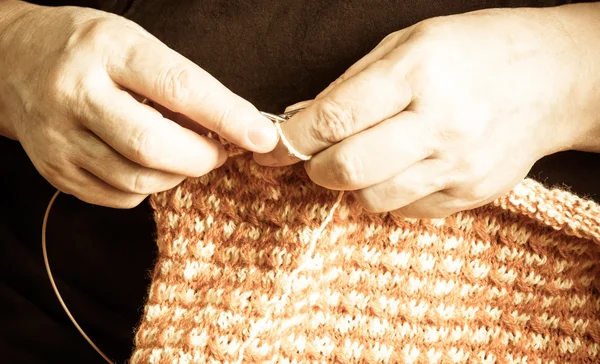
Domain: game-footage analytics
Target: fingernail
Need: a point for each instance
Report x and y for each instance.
(263, 135)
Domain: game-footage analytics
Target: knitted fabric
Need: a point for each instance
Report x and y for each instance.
(260, 265)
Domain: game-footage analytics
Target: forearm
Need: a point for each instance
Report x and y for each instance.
(581, 23)
(11, 13)
(11, 10)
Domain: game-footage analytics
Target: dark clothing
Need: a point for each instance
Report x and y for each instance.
(271, 52)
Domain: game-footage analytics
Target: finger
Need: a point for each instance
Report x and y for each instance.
(376, 94)
(159, 73)
(180, 119)
(372, 156)
(144, 136)
(435, 206)
(168, 114)
(383, 48)
(442, 204)
(417, 182)
(105, 163)
(90, 189)
(298, 105)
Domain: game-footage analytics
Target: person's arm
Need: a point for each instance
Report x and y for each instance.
(106, 111)
(582, 23)
(10, 14)
(451, 113)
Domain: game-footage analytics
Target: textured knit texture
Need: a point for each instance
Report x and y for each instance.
(237, 279)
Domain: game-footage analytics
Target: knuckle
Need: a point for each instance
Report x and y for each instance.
(442, 182)
(95, 32)
(73, 92)
(52, 168)
(142, 183)
(130, 202)
(175, 83)
(143, 147)
(431, 27)
(346, 171)
(475, 184)
(222, 122)
(369, 200)
(475, 192)
(335, 121)
(388, 38)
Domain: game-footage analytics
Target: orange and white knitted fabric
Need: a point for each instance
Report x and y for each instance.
(260, 265)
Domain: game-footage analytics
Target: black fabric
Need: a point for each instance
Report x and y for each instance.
(100, 258)
(272, 52)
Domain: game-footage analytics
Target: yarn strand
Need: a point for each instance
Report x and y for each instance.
(288, 289)
(284, 140)
(277, 120)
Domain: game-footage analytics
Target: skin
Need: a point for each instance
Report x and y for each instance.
(72, 86)
(451, 113)
(443, 116)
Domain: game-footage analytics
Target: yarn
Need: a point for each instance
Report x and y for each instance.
(277, 121)
(288, 288)
(240, 276)
(291, 150)
(313, 242)
(259, 265)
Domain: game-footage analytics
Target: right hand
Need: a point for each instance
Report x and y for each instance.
(71, 85)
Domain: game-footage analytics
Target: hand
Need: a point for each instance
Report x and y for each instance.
(71, 91)
(448, 114)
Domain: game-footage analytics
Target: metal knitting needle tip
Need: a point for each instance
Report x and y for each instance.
(281, 117)
(274, 118)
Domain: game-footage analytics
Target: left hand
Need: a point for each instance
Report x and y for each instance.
(448, 114)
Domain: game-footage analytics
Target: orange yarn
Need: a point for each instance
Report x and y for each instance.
(516, 281)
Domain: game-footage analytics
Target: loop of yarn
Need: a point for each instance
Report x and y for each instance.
(291, 150)
(258, 326)
(278, 120)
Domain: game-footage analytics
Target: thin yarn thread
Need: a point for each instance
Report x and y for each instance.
(311, 248)
(288, 289)
(278, 120)
(291, 150)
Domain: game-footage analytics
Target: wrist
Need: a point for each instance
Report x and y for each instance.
(579, 24)
(12, 18)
